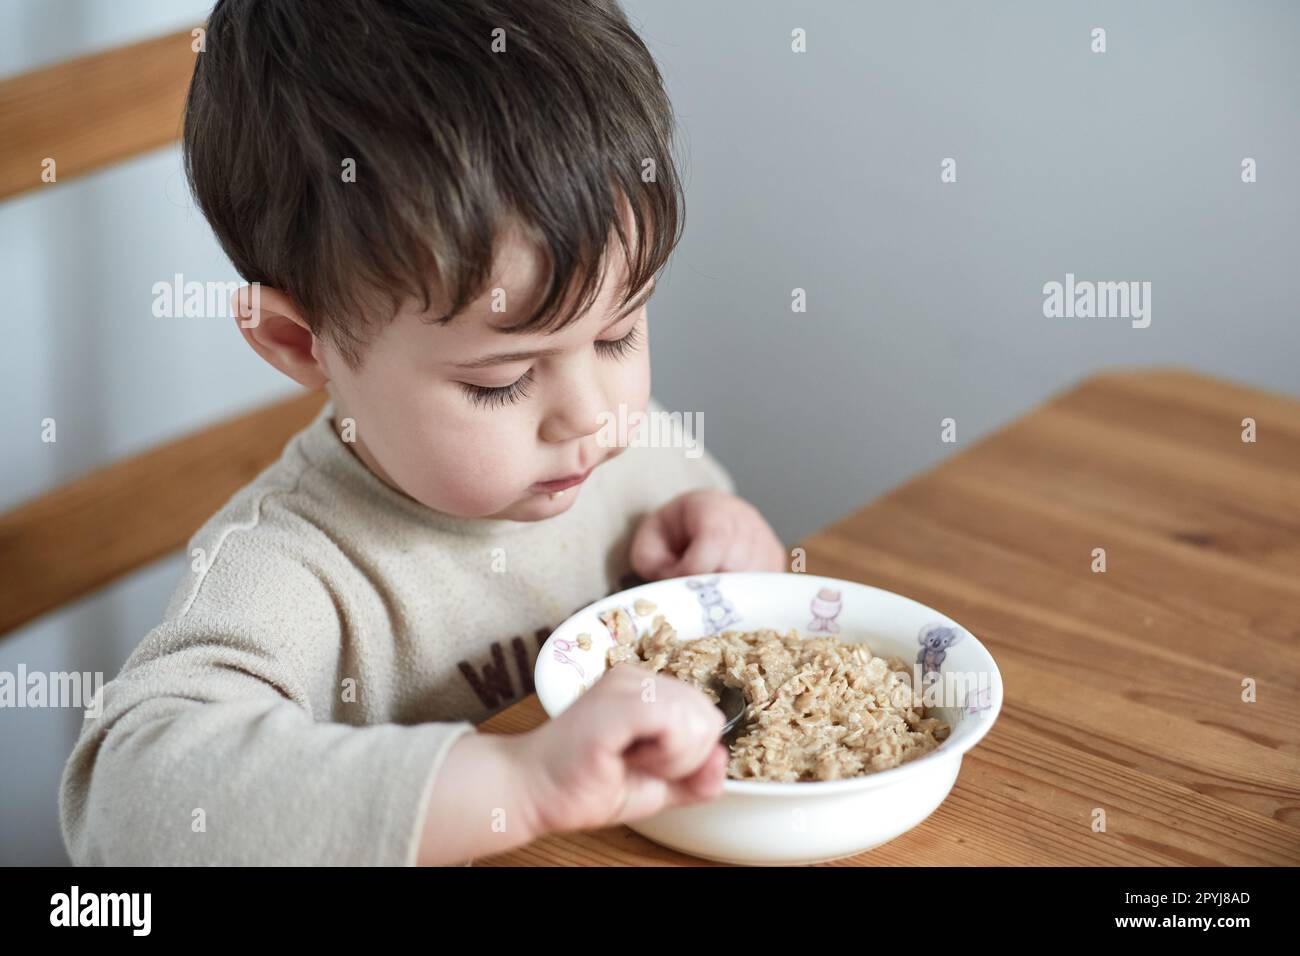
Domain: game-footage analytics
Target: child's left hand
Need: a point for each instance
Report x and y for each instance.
(703, 531)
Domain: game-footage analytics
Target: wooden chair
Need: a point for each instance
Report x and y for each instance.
(86, 114)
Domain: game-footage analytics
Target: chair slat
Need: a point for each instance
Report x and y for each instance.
(91, 531)
(94, 110)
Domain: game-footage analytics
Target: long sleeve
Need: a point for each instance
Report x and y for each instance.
(207, 750)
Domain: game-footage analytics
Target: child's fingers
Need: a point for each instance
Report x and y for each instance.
(740, 554)
(643, 705)
(674, 732)
(674, 755)
(648, 793)
(705, 783)
(704, 556)
(651, 551)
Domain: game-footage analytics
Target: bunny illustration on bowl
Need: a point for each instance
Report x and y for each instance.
(718, 611)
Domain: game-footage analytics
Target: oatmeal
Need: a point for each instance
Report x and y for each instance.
(819, 708)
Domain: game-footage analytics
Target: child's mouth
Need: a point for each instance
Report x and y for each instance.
(559, 484)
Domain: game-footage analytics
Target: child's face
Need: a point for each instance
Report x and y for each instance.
(419, 429)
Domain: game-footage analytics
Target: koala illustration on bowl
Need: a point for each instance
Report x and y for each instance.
(935, 639)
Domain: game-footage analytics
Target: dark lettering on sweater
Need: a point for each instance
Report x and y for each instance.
(491, 681)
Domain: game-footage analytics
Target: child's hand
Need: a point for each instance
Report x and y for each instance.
(701, 532)
(635, 743)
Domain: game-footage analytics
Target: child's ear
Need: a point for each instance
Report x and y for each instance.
(273, 325)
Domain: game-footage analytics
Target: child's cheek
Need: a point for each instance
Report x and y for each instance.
(479, 471)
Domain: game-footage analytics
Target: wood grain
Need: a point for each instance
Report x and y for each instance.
(92, 111)
(93, 530)
(1122, 689)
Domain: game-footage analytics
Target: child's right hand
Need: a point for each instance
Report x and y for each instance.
(635, 743)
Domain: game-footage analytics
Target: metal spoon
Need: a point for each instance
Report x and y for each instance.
(732, 703)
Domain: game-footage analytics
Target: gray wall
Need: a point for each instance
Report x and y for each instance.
(821, 171)
(818, 171)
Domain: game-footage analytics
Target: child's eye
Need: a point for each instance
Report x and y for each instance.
(488, 397)
(620, 348)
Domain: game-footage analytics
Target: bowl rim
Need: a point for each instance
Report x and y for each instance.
(871, 781)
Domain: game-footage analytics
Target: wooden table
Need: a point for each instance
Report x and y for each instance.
(1123, 688)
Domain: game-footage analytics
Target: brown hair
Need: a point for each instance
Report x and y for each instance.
(450, 140)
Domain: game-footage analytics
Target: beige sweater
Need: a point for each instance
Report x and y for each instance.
(331, 641)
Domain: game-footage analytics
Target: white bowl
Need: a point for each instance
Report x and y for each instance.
(759, 822)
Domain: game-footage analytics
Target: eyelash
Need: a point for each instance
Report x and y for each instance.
(620, 348)
(517, 391)
(496, 397)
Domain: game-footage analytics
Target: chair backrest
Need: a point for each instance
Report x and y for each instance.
(84, 114)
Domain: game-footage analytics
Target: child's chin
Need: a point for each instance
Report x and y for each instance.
(544, 504)
(536, 506)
